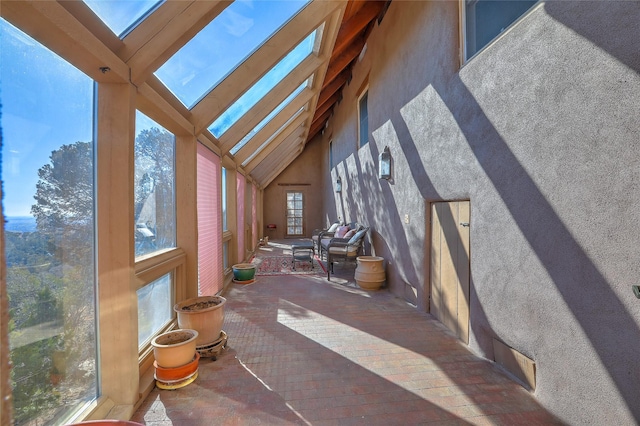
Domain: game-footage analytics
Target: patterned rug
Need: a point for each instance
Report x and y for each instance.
(282, 265)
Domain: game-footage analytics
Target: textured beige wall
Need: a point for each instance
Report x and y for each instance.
(304, 175)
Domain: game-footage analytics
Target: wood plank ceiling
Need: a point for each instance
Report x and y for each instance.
(71, 29)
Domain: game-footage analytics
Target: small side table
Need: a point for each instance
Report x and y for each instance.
(302, 253)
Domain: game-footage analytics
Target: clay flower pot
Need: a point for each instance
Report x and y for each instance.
(204, 314)
(178, 373)
(244, 271)
(370, 272)
(175, 348)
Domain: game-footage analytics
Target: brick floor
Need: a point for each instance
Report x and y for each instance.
(303, 350)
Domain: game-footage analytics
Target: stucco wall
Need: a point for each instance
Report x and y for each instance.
(303, 175)
(541, 133)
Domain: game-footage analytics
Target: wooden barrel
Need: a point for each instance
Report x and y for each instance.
(370, 272)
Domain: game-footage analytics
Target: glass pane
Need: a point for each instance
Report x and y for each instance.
(225, 254)
(297, 196)
(263, 86)
(291, 204)
(122, 15)
(269, 117)
(486, 19)
(49, 195)
(291, 230)
(155, 307)
(222, 45)
(224, 200)
(155, 213)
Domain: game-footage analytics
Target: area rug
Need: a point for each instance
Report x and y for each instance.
(283, 265)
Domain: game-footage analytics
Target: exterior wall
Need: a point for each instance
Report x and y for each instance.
(303, 175)
(540, 132)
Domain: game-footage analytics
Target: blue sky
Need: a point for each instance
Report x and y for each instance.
(47, 102)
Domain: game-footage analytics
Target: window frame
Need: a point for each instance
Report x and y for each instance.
(364, 92)
(462, 20)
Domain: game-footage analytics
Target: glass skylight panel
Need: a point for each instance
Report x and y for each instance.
(268, 118)
(220, 47)
(263, 86)
(122, 15)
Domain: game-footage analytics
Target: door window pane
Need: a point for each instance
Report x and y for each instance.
(49, 197)
(155, 213)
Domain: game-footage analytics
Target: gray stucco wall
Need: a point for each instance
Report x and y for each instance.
(541, 132)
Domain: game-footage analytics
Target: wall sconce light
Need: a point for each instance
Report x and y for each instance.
(384, 164)
(338, 185)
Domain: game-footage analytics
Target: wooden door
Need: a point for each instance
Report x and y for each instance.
(450, 266)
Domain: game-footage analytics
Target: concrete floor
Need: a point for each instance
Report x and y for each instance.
(303, 350)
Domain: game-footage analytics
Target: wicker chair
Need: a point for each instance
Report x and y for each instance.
(318, 234)
(345, 249)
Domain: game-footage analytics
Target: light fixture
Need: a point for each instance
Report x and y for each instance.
(338, 185)
(384, 164)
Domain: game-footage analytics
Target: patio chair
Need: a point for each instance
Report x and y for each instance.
(318, 234)
(345, 249)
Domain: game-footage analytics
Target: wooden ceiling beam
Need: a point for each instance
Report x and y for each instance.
(335, 85)
(327, 105)
(283, 165)
(264, 153)
(350, 29)
(292, 127)
(342, 61)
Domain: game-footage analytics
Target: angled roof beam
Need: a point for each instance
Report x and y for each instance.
(288, 144)
(295, 125)
(274, 162)
(283, 165)
(350, 29)
(321, 109)
(334, 86)
(255, 161)
(274, 125)
(260, 62)
(163, 33)
(342, 61)
(54, 26)
(268, 103)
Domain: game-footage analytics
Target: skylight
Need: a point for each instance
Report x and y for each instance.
(268, 118)
(263, 86)
(122, 15)
(217, 50)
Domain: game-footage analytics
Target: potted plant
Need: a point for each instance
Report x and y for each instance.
(204, 314)
(175, 348)
(243, 272)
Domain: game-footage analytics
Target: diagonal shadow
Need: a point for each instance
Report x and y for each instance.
(584, 289)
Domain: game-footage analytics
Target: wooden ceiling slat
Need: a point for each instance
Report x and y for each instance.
(350, 29)
(327, 105)
(295, 133)
(343, 60)
(335, 85)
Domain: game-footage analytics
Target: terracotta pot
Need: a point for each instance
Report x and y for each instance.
(175, 348)
(370, 272)
(177, 373)
(244, 271)
(107, 423)
(204, 314)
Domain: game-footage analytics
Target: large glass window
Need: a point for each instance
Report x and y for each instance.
(221, 46)
(155, 213)
(486, 19)
(49, 196)
(155, 308)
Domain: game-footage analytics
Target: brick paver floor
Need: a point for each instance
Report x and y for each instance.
(303, 350)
